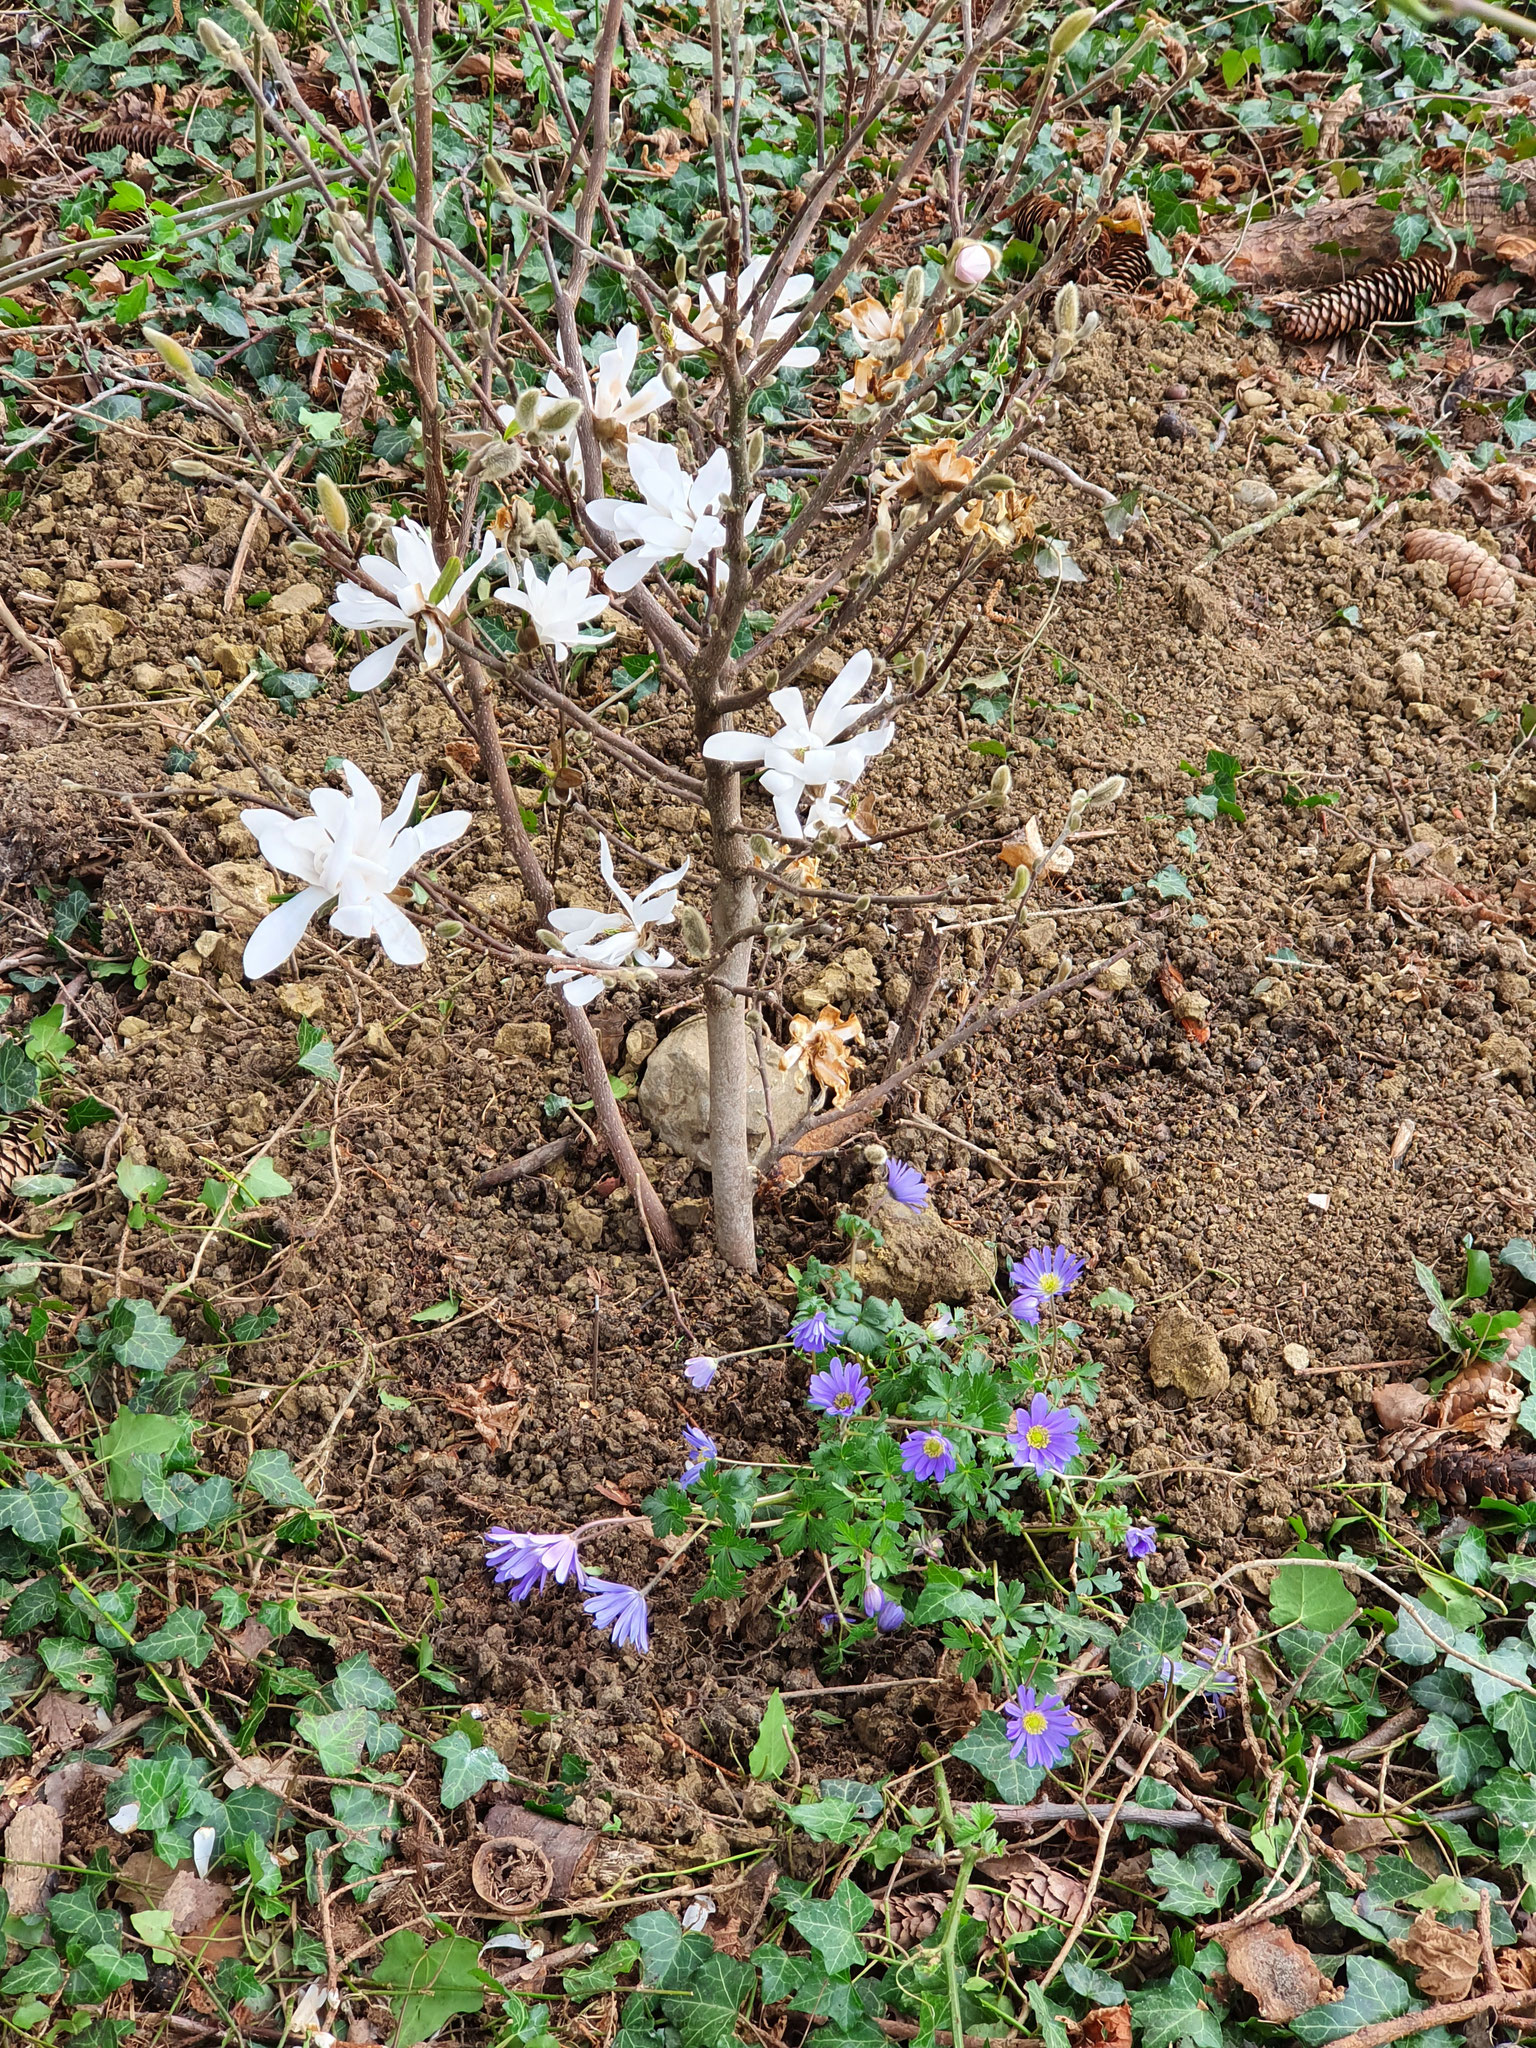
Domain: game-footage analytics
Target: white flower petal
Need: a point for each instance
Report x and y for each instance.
(203, 1843)
(279, 932)
(377, 667)
(736, 747)
(126, 1818)
(630, 570)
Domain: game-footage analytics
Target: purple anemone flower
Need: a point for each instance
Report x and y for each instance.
(928, 1455)
(874, 1599)
(813, 1333)
(841, 1390)
(1042, 1277)
(702, 1450)
(525, 1563)
(1040, 1731)
(905, 1184)
(1043, 1437)
(1140, 1543)
(621, 1610)
(698, 1372)
(890, 1617)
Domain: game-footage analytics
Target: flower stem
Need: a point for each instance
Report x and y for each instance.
(949, 1932)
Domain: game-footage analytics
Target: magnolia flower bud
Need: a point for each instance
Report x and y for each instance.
(951, 323)
(680, 271)
(694, 931)
(910, 516)
(526, 411)
(501, 185)
(1109, 791)
(188, 468)
(1067, 312)
(862, 906)
(914, 287)
(544, 536)
(552, 940)
(219, 43)
(880, 548)
(674, 379)
(776, 556)
(394, 99)
(1019, 886)
(970, 264)
(555, 415)
(333, 506)
(874, 1155)
(919, 668)
(1089, 328)
(1070, 32)
(1014, 138)
(174, 357)
(757, 448)
(1076, 808)
(1001, 787)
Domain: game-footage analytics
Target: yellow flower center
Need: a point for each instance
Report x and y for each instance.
(1035, 1722)
(1050, 1283)
(844, 1400)
(933, 1446)
(1038, 1438)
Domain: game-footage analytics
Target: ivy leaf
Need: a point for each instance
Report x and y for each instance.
(1155, 1631)
(261, 1182)
(36, 1511)
(604, 1973)
(429, 1985)
(1314, 1595)
(101, 1971)
(18, 1079)
(668, 1954)
(337, 1739)
(829, 1820)
(369, 1817)
(80, 1667)
(1515, 1718)
(1462, 1753)
(1510, 1796)
(986, 1750)
(774, 1749)
(467, 1767)
(141, 1339)
(184, 1635)
(1374, 1993)
(271, 1474)
(1196, 1884)
(832, 1926)
(317, 1055)
(37, 1975)
(357, 1684)
(1175, 2010)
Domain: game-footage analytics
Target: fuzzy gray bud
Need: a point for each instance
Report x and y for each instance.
(394, 99)
(776, 556)
(757, 448)
(914, 288)
(501, 185)
(1070, 31)
(543, 536)
(219, 43)
(1109, 791)
(694, 932)
(880, 549)
(556, 415)
(919, 668)
(1067, 312)
(526, 411)
(333, 506)
(760, 849)
(674, 379)
(1001, 787)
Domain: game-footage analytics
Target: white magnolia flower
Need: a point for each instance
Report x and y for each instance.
(350, 852)
(615, 408)
(831, 813)
(126, 1818)
(679, 514)
(557, 608)
(810, 752)
(409, 611)
(306, 2015)
(611, 938)
(203, 1841)
(706, 321)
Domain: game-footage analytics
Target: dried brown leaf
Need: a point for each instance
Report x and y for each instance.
(1107, 2026)
(1447, 1959)
(1277, 1972)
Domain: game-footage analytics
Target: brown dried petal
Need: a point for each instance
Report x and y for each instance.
(1107, 2026)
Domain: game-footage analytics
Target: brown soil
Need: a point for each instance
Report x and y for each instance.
(1182, 1170)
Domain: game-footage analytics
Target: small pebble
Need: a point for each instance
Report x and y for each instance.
(1317, 1201)
(1170, 428)
(1297, 1357)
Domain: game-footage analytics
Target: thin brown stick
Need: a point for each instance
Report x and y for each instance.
(1491, 1978)
(605, 1111)
(39, 653)
(1420, 2022)
(248, 535)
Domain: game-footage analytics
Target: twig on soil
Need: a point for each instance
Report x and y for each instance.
(242, 552)
(1420, 2022)
(521, 1169)
(55, 1442)
(39, 653)
(1268, 1909)
(1255, 527)
(1068, 475)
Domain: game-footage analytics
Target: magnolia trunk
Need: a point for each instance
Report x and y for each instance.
(725, 1011)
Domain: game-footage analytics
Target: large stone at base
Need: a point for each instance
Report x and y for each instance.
(922, 1260)
(1185, 1353)
(674, 1095)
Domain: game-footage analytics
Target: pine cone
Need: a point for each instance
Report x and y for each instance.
(1441, 1465)
(1119, 258)
(1472, 574)
(19, 1156)
(1385, 294)
(1035, 213)
(915, 1917)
